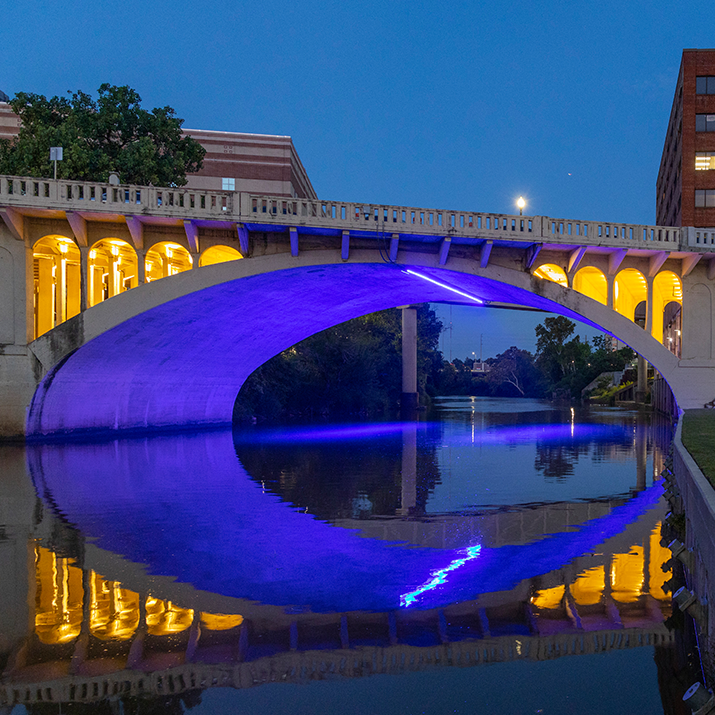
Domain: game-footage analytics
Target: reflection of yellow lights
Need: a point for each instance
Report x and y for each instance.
(58, 598)
(220, 621)
(627, 575)
(163, 617)
(658, 556)
(92, 255)
(549, 597)
(113, 611)
(588, 587)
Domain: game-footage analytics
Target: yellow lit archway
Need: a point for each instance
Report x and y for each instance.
(591, 282)
(667, 290)
(166, 259)
(57, 273)
(112, 269)
(630, 289)
(552, 272)
(218, 254)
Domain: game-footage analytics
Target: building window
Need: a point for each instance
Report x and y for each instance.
(704, 160)
(705, 122)
(230, 184)
(705, 85)
(704, 198)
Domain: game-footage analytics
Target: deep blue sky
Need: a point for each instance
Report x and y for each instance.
(463, 105)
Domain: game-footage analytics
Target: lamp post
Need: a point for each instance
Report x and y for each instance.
(520, 202)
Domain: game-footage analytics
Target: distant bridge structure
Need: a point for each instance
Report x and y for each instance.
(136, 308)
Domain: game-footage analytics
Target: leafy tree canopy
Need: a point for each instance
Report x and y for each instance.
(113, 133)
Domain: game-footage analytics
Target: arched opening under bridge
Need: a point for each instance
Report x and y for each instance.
(176, 352)
(57, 282)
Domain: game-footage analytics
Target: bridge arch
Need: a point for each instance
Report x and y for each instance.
(592, 282)
(112, 268)
(175, 352)
(629, 291)
(166, 258)
(218, 254)
(552, 272)
(56, 265)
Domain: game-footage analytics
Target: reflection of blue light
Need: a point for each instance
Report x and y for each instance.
(324, 434)
(443, 285)
(439, 577)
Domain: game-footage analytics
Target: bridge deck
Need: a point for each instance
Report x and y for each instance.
(105, 202)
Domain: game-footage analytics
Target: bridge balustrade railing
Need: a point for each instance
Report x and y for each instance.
(405, 219)
(185, 203)
(387, 218)
(610, 233)
(97, 196)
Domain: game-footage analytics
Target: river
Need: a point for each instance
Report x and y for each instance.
(494, 556)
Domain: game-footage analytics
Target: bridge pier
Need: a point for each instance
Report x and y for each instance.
(642, 383)
(410, 397)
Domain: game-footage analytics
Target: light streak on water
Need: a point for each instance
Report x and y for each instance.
(439, 577)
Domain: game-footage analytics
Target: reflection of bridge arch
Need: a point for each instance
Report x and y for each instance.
(176, 352)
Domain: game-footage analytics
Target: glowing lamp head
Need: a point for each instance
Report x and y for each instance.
(521, 203)
(63, 248)
(115, 250)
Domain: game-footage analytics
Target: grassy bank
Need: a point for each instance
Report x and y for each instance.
(699, 439)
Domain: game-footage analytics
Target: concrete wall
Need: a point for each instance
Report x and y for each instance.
(698, 501)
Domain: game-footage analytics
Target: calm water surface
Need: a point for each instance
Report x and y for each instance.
(494, 556)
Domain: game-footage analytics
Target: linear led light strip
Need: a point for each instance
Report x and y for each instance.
(439, 577)
(443, 285)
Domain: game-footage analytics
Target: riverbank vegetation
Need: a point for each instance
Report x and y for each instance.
(356, 368)
(698, 439)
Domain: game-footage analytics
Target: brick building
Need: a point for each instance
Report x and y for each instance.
(255, 163)
(685, 189)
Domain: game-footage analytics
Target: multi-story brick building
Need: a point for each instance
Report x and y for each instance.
(685, 189)
(255, 163)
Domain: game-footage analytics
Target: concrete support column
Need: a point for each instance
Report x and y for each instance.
(141, 266)
(410, 398)
(642, 384)
(610, 281)
(84, 277)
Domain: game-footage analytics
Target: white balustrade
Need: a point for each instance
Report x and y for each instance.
(18, 191)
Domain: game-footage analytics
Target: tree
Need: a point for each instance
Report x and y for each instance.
(515, 368)
(551, 355)
(113, 133)
(354, 367)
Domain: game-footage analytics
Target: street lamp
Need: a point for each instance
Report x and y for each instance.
(520, 202)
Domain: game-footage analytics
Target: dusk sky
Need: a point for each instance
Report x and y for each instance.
(462, 105)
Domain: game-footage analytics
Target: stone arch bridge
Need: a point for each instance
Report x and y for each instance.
(127, 308)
